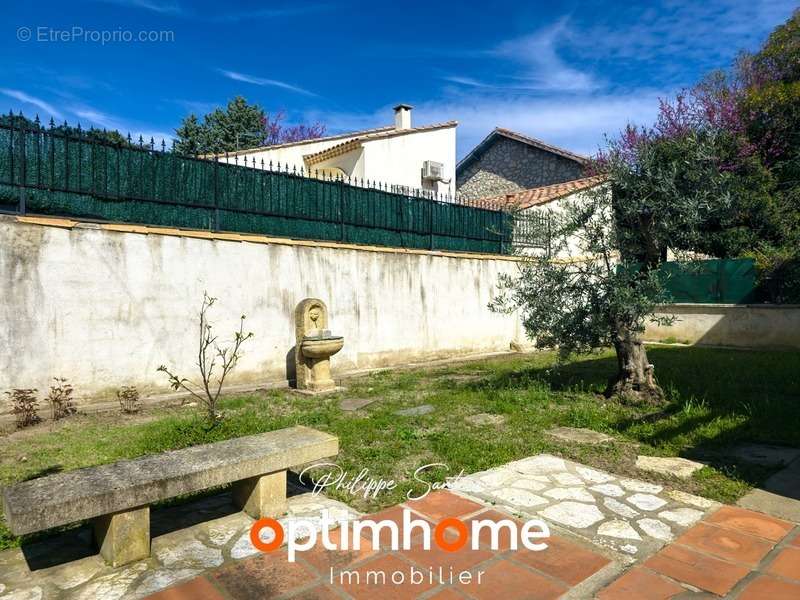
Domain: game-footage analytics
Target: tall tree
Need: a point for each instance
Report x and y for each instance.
(664, 185)
(240, 125)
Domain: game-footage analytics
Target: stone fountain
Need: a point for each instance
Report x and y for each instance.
(314, 348)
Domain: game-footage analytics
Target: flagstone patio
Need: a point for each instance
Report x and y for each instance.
(612, 538)
(632, 517)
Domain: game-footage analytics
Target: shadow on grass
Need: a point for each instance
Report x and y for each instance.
(44, 472)
(716, 398)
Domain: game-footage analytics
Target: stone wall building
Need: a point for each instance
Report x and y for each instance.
(507, 162)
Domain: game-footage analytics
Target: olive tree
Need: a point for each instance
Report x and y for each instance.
(600, 284)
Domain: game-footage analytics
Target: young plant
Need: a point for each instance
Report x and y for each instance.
(128, 397)
(60, 399)
(24, 405)
(210, 356)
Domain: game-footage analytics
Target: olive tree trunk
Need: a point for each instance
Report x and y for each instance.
(634, 380)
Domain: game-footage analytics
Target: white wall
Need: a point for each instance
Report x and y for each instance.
(556, 207)
(399, 159)
(291, 155)
(105, 308)
(743, 325)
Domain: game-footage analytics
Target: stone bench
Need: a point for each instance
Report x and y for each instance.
(116, 497)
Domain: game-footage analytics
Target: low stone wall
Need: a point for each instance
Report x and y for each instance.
(105, 305)
(742, 325)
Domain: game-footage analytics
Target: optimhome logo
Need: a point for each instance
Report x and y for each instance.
(301, 534)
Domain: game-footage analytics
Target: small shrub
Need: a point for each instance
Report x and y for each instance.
(128, 397)
(60, 399)
(24, 405)
(210, 355)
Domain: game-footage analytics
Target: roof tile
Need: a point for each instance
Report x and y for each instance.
(537, 196)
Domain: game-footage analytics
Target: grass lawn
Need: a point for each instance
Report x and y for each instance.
(716, 397)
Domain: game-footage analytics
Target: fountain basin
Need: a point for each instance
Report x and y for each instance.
(321, 347)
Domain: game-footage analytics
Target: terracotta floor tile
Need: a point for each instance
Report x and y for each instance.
(699, 570)
(263, 576)
(394, 513)
(751, 522)
(504, 534)
(463, 559)
(786, 564)
(640, 584)
(374, 580)
(769, 588)
(508, 581)
(196, 589)
(320, 592)
(564, 560)
(726, 543)
(440, 504)
(796, 541)
(448, 594)
(324, 560)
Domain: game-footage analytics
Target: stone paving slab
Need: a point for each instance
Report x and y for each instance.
(674, 466)
(632, 517)
(780, 495)
(175, 556)
(579, 435)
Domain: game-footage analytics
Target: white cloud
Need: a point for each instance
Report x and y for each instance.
(542, 67)
(236, 76)
(34, 101)
(577, 123)
(151, 5)
(224, 13)
(705, 34)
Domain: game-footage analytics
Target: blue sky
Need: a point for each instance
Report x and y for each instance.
(565, 72)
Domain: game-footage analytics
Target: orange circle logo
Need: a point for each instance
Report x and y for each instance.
(255, 532)
(443, 526)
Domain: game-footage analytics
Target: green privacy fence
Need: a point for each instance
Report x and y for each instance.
(728, 281)
(63, 172)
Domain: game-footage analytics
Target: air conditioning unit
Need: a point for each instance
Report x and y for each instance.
(432, 171)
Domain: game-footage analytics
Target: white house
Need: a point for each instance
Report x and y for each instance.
(400, 156)
(527, 204)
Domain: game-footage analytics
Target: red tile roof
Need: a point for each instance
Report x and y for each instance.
(537, 196)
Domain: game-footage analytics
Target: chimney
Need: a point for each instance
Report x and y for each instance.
(402, 116)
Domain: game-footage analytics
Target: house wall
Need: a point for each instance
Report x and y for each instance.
(105, 307)
(743, 325)
(288, 155)
(395, 160)
(398, 160)
(573, 248)
(510, 166)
